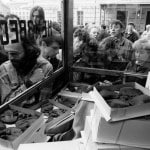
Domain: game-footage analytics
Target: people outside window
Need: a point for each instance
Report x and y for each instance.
(141, 60)
(93, 32)
(80, 38)
(103, 33)
(116, 51)
(23, 69)
(146, 33)
(87, 48)
(37, 15)
(122, 46)
(50, 47)
(131, 34)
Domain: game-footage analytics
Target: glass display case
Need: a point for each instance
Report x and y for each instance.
(71, 14)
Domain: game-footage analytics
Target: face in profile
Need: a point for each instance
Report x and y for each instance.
(76, 45)
(52, 50)
(15, 54)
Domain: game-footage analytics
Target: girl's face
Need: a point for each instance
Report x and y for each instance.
(141, 55)
(36, 18)
(93, 33)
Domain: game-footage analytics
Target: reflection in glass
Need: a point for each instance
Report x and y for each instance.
(33, 41)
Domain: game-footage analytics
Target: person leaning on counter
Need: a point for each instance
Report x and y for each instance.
(23, 69)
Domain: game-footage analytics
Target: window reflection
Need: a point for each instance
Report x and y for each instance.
(32, 42)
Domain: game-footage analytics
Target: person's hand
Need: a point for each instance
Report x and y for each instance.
(38, 75)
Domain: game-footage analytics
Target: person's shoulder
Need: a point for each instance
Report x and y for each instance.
(5, 67)
(6, 64)
(54, 32)
(127, 41)
(42, 61)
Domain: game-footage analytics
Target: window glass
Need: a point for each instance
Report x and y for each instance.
(111, 34)
(31, 38)
(37, 19)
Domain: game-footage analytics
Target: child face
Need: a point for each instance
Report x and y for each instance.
(36, 18)
(141, 55)
(93, 33)
(115, 30)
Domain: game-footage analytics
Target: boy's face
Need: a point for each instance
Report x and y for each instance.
(52, 50)
(115, 30)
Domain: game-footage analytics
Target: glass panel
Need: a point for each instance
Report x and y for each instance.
(31, 37)
(110, 37)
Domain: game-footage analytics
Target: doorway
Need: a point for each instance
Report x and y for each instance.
(148, 18)
(121, 15)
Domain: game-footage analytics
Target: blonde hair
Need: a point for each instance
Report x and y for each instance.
(91, 27)
(141, 44)
(148, 27)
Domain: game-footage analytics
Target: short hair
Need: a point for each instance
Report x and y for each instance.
(141, 44)
(49, 40)
(82, 34)
(117, 22)
(132, 24)
(40, 10)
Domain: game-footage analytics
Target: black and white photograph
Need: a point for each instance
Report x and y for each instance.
(74, 74)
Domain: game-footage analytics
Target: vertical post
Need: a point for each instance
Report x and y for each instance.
(100, 10)
(68, 36)
(104, 13)
(95, 13)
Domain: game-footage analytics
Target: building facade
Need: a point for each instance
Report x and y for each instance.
(86, 11)
(4, 9)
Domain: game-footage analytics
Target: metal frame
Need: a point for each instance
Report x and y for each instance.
(67, 70)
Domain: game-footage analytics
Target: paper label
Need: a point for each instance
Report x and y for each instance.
(148, 81)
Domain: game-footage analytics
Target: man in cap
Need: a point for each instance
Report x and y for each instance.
(23, 69)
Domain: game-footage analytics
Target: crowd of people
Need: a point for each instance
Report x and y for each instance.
(114, 48)
(34, 57)
(25, 60)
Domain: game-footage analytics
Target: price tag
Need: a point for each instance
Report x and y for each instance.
(148, 81)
